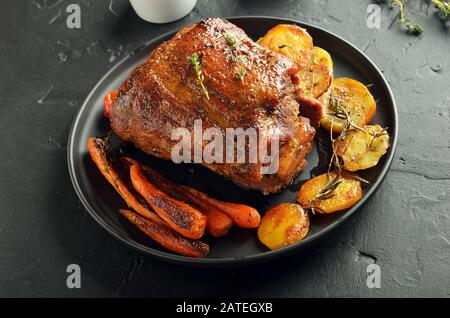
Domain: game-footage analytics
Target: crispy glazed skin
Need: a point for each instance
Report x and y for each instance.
(218, 224)
(167, 237)
(163, 94)
(180, 216)
(118, 176)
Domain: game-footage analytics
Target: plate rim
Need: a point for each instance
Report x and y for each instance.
(238, 260)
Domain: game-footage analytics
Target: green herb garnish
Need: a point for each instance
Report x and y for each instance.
(443, 7)
(232, 43)
(234, 47)
(339, 111)
(416, 29)
(240, 74)
(328, 191)
(195, 61)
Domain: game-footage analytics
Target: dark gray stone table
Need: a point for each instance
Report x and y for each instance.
(46, 72)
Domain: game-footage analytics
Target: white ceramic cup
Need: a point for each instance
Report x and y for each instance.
(162, 11)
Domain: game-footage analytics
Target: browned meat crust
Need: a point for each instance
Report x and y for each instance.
(163, 94)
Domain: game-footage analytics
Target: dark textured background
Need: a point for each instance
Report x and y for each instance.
(46, 72)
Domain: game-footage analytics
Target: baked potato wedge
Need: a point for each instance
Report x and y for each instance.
(283, 225)
(291, 41)
(329, 192)
(350, 99)
(315, 78)
(362, 149)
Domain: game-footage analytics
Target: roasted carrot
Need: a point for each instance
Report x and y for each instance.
(218, 224)
(179, 215)
(119, 177)
(120, 180)
(243, 215)
(167, 237)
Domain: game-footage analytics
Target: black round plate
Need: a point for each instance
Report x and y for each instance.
(240, 246)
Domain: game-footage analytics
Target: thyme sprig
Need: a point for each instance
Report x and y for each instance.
(412, 27)
(443, 7)
(241, 73)
(356, 177)
(334, 164)
(195, 61)
(328, 191)
(232, 43)
(376, 135)
(341, 112)
(338, 111)
(235, 55)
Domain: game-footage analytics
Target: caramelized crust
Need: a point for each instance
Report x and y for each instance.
(164, 93)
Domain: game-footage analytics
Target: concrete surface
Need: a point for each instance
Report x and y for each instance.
(46, 72)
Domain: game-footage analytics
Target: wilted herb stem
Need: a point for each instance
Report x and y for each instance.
(328, 191)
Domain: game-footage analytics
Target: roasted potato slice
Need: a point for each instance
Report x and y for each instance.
(315, 78)
(347, 96)
(320, 56)
(283, 225)
(329, 193)
(362, 150)
(291, 41)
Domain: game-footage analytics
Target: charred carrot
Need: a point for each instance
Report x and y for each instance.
(119, 177)
(218, 224)
(97, 148)
(178, 215)
(167, 237)
(243, 215)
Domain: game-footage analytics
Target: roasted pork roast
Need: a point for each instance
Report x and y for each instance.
(213, 72)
